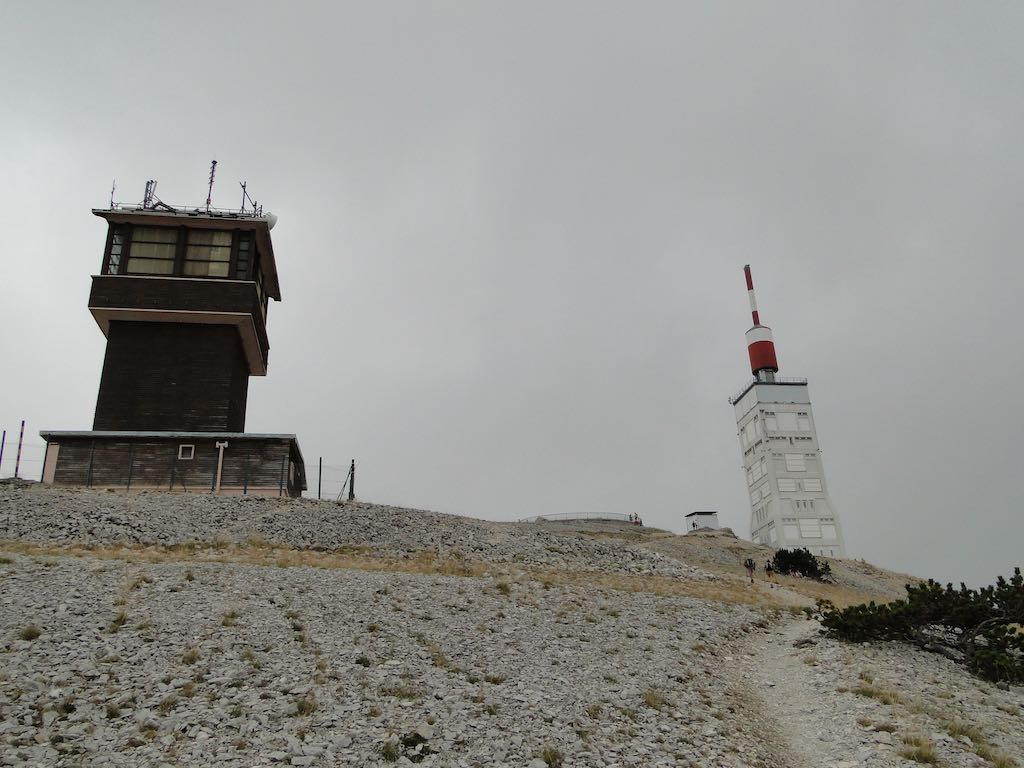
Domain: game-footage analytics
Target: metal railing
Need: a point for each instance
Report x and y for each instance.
(188, 210)
(569, 516)
(752, 381)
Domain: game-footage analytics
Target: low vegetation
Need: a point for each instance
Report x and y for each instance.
(801, 562)
(552, 756)
(919, 749)
(975, 627)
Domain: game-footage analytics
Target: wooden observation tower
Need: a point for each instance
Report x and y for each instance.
(182, 297)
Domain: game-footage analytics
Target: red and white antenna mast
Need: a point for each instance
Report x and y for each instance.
(760, 346)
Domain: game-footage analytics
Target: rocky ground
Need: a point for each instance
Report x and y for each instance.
(48, 516)
(138, 631)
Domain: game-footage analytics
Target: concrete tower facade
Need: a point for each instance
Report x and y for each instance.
(790, 506)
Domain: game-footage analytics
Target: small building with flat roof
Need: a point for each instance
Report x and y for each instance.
(697, 520)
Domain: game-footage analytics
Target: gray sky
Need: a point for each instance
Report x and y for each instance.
(511, 239)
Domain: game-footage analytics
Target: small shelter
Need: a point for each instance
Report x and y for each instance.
(697, 520)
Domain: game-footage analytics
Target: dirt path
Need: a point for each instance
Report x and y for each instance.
(805, 721)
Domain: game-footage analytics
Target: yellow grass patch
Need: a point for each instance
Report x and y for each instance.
(259, 552)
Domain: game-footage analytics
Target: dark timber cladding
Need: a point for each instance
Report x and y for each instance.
(182, 298)
(174, 377)
(252, 464)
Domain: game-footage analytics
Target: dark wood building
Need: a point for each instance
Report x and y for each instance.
(191, 462)
(182, 298)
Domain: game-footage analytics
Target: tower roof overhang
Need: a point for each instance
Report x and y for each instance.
(201, 219)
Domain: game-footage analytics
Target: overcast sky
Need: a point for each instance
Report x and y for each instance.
(511, 242)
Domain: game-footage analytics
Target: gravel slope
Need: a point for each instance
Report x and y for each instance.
(182, 662)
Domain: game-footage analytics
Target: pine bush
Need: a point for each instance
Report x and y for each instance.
(793, 561)
(980, 628)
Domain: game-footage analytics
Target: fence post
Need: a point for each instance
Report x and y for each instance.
(17, 461)
(319, 475)
(352, 483)
(131, 463)
(2, 441)
(88, 477)
(280, 479)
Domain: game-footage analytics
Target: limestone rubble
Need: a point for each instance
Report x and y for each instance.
(152, 658)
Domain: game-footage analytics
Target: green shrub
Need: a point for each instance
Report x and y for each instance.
(975, 627)
(793, 561)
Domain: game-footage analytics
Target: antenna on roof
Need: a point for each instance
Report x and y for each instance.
(150, 202)
(149, 195)
(256, 208)
(113, 187)
(209, 192)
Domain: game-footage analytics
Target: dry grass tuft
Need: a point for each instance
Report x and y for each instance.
(655, 699)
(167, 704)
(400, 690)
(879, 694)
(119, 620)
(957, 729)
(306, 705)
(551, 756)
(30, 632)
(250, 656)
(919, 749)
(996, 758)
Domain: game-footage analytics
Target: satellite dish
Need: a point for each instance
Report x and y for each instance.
(271, 220)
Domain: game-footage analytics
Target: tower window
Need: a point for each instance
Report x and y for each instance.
(186, 452)
(152, 251)
(243, 262)
(117, 242)
(795, 462)
(810, 528)
(787, 422)
(208, 253)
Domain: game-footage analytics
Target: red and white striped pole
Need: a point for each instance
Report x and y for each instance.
(760, 346)
(750, 294)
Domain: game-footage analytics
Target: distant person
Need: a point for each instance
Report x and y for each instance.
(769, 573)
(695, 525)
(631, 517)
(751, 566)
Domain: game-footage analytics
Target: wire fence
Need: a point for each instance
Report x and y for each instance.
(329, 481)
(324, 480)
(33, 452)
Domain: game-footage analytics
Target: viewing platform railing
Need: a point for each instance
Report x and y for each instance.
(753, 381)
(613, 517)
